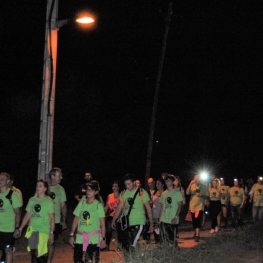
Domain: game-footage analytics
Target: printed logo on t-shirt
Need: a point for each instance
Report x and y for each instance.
(1, 203)
(259, 191)
(214, 194)
(52, 195)
(85, 218)
(168, 201)
(35, 210)
(236, 192)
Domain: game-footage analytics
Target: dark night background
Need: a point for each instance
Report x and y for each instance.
(210, 103)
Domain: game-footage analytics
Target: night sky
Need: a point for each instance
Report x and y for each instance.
(210, 103)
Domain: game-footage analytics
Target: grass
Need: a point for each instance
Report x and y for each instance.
(245, 245)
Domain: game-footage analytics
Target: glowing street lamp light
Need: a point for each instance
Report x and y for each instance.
(45, 156)
(85, 20)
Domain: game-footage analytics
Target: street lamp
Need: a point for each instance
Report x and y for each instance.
(48, 88)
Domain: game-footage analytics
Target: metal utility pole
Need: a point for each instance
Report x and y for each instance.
(48, 91)
(156, 94)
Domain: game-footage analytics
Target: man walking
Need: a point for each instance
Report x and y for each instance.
(171, 203)
(137, 199)
(58, 195)
(10, 213)
(257, 196)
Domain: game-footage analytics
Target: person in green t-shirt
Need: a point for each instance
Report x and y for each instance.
(256, 195)
(58, 195)
(40, 214)
(10, 213)
(137, 219)
(171, 203)
(89, 226)
(237, 201)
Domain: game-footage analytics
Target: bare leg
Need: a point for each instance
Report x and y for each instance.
(51, 251)
(9, 255)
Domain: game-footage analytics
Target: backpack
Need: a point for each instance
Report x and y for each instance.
(9, 196)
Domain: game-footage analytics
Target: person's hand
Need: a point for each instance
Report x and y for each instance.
(151, 228)
(51, 239)
(64, 225)
(192, 182)
(71, 241)
(103, 244)
(175, 220)
(113, 224)
(17, 233)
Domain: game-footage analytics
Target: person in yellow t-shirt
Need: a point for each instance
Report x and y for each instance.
(237, 201)
(215, 205)
(256, 195)
(199, 193)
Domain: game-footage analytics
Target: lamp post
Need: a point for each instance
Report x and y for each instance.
(48, 88)
(156, 94)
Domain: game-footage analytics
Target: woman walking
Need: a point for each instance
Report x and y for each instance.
(40, 214)
(110, 209)
(89, 226)
(215, 206)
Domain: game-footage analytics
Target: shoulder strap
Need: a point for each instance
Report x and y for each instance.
(137, 191)
(9, 196)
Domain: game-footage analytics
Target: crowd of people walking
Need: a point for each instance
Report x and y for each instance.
(153, 213)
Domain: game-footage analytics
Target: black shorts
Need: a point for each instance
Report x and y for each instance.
(6, 240)
(57, 231)
(223, 205)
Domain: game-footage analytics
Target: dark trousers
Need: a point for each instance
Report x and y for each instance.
(168, 233)
(36, 259)
(197, 221)
(236, 214)
(215, 208)
(130, 236)
(108, 230)
(92, 252)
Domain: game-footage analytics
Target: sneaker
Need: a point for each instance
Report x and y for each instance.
(196, 238)
(216, 229)
(212, 231)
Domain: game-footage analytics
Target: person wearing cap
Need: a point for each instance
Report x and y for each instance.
(58, 195)
(257, 196)
(171, 203)
(198, 194)
(237, 202)
(224, 190)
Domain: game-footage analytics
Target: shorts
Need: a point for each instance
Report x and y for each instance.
(57, 231)
(6, 240)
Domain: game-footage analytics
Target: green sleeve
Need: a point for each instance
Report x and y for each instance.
(16, 202)
(145, 197)
(63, 196)
(77, 209)
(101, 212)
